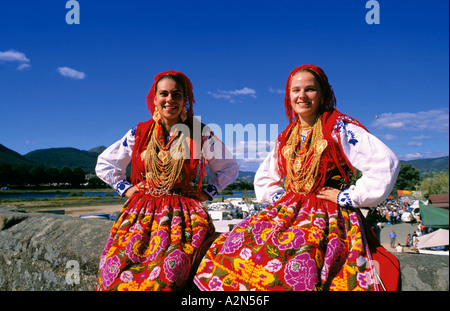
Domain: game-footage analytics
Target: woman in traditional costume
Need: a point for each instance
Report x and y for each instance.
(312, 235)
(157, 235)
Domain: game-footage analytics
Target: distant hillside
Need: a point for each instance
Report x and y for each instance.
(97, 150)
(242, 174)
(425, 165)
(247, 175)
(11, 157)
(61, 157)
(73, 158)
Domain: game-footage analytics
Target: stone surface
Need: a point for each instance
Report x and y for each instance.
(50, 252)
(423, 272)
(62, 253)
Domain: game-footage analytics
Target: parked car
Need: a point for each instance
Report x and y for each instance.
(411, 214)
(219, 215)
(114, 216)
(98, 216)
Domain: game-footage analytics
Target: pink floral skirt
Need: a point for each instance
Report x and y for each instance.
(300, 243)
(153, 243)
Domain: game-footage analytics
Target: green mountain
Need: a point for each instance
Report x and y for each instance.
(61, 157)
(73, 158)
(425, 165)
(8, 156)
(249, 176)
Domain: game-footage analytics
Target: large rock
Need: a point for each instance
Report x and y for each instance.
(42, 252)
(423, 272)
(50, 252)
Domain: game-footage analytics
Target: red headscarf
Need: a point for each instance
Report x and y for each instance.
(329, 101)
(187, 88)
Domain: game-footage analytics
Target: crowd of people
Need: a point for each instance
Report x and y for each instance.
(390, 212)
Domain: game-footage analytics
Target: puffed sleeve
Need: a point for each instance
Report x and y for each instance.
(378, 164)
(268, 179)
(112, 163)
(222, 165)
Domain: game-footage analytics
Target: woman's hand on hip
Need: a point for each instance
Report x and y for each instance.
(329, 194)
(137, 188)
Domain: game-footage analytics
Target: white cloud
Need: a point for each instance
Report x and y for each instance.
(23, 66)
(15, 56)
(71, 73)
(414, 144)
(276, 91)
(251, 151)
(231, 95)
(389, 137)
(422, 155)
(251, 165)
(422, 137)
(432, 120)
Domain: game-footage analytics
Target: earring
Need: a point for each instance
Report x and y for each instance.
(156, 115)
(183, 115)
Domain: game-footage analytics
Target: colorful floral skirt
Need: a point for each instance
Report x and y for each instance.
(300, 243)
(152, 243)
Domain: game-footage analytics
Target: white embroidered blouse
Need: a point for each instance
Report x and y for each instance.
(113, 161)
(378, 164)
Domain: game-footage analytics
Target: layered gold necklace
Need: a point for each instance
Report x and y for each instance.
(164, 163)
(303, 159)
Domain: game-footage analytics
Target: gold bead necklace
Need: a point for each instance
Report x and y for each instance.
(163, 164)
(303, 159)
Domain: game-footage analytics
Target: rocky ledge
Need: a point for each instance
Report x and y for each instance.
(55, 252)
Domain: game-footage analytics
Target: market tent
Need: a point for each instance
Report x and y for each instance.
(433, 217)
(405, 199)
(434, 239)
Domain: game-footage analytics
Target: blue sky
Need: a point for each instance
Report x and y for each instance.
(84, 85)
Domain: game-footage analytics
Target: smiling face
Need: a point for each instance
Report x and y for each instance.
(169, 100)
(305, 95)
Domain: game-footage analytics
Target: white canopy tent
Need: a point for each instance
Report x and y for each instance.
(434, 239)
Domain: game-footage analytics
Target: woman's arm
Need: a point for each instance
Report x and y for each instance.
(378, 164)
(224, 168)
(112, 164)
(268, 180)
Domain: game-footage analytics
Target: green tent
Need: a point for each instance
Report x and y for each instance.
(433, 216)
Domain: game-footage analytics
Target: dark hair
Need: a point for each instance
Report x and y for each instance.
(173, 78)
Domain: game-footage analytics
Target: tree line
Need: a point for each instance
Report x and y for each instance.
(39, 175)
(409, 178)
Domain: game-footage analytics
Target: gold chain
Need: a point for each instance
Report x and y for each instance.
(302, 167)
(163, 164)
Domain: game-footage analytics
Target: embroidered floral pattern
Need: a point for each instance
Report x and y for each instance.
(122, 186)
(301, 273)
(176, 267)
(309, 245)
(261, 230)
(344, 198)
(276, 197)
(233, 242)
(152, 243)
